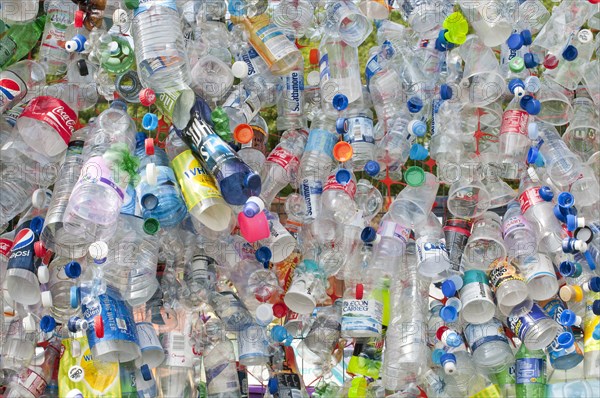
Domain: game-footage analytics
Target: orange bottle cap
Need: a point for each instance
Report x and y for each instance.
(243, 133)
(342, 151)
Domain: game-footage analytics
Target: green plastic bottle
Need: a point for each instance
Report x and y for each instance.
(19, 40)
(530, 369)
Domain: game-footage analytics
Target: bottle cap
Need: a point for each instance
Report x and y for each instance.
(340, 125)
(152, 175)
(47, 323)
(343, 176)
(436, 356)
(76, 44)
(414, 176)
(280, 310)
(596, 333)
(342, 151)
(47, 299)
(514, 85)
(340, 102)
(530, 105)
(75, 296)
(515, 41)
(98, 251)
(414, 104)
(273, 385)
(146, 373)
(596, 307)
(448, 362)
(239, 69)
(570, 53)
(448, 314)
(150, 121)
(313, 56)
(263, 255)
(445, 92)
(571, 222)
(82, 68)
(569, 269)
(567, 318)
(147, 96)
(449, 288)
(533, 131)
(132, 4)
(372, 168)
(36, 225)
(73, 269)
(252, 182)
(527, 37)
(565, 200)
(546, 193)
(149, 146)
(568, 293)
(149, 201)
(243, 133)
(550, 61)
(313, 78)
(279, 333)
(151, 226)
(565, 340)
(417, 127)
(359, 291)
(440, 332)
(253, 206)
(530, 60)
(368, 234)
(39, 250)
(583, 233)
(264, 314)
(418, 152)
(593, 284)
(79, 17)
(585, 36)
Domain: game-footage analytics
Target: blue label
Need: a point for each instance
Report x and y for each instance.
(21, 253)
(294, 86)
(321, 141)
(116, 317)
(372, 67)
(324, 67)
(530, 370)
(311, 192)
(521, 325)
(434, 110)
(359, 129)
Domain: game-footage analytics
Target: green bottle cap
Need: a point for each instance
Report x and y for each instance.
(151, 226)
(221, 122)
(475, 275)
(517, 64)
(132, 4)
(414, 176)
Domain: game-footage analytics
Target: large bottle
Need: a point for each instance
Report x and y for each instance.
(519, 237)
(530, 370)
(19, 40)
(219, 363)
(53, 55)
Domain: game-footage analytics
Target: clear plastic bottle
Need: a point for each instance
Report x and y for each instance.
(476, 296)
(219, 363)
(562, 165)
(489, 346)
(290, 109)
(254, 152)
(509, 286)
(53, 55)
(514, 141)
(535, 329)
(337, 199)
(339, 70)
(519, 237)
(432, 254)
(60, 285)
(356, 126)
(466, 380)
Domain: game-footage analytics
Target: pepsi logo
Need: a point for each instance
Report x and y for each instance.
(24, 238)
(10, 88)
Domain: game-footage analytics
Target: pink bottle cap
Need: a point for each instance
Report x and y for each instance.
(255, 228)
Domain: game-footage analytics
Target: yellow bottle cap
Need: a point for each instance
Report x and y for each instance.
(358, 388)
(456, 23)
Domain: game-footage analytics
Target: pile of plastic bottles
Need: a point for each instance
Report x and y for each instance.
(243, 254)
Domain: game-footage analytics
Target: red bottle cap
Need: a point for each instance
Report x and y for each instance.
(39, 249)
(360, 290)
(313, 56)
(79, 16)
(550, 61)
(279, 310)
(149, 144)
(147, 97)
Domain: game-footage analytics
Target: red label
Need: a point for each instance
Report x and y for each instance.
(349, 188)
(5, 246)
(530, 197)
(55, 113)
(32, 382)
(282, 157)
(514, 121)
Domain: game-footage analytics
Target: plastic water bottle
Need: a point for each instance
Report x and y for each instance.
(356, 128)
(489, 346)
(430, 242)
(477, 299)
(339, 70)
(63, 277)
(219, 363)
(509, 285)
(53, 55)
(535, 329)
(290, 109)
(519, 237)
(337, 199)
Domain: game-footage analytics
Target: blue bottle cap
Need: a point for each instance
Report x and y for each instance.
(527, 38)
(119, 104)
(567, 318)
(149, 201)
(442, 37)
(571, 222)
(251, 209)
(514, 83)
(418, 152)
(417, 127)
(448, 314)
(596, 307)
(546, 193)
(590, 260)
(570, 53)
(415, 104)
(72, 324)
(596, 333)
(75, 296)
(279, 333)
(565, 340)
(273, 385)
(368, 234)
(448, 357)
(146, 373)
(567, 245)
(372, 168)
(594, 284)
(263, 255)
(340, 102)
(565, 200)
(530, 60)
(140, 137)
(448, 288)
(73, 269)
(150, 121)
(47, 323)
(453, 340)
(253, 183)
(36, 224)
(340, 125)
(445, 92)
(532, 155)
(441, 44)
(532, 105)
(343, 176)
(515, 41)
(558, 214)
(567, 268)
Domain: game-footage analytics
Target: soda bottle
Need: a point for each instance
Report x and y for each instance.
(18, 81)
(530, 369)
(19, 40)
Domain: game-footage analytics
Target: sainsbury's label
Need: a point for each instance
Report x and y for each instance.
(54, 112)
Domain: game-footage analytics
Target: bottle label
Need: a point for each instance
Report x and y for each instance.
(147, 336)
(456, 240)
(392, 229)
(515, 223)
(21, 253)
(292, 95)
(5, 246)
(196, 184)
(501, 271)
(32, 382)
(362, 315)
(145, 5)
(276, 42)
(477, 335)
(590, 323)
(222, 377)
(514, 121)
(359, 129)
(332, 184)
(372, 67)
(96, 171)
(249, 59)
(321, 141)
(538, 266)
(311, 192)
(178, 350)
(476, 291)
(55, 113)
(432, 250)
(7, 49)
(283, 158)
(324, 69)
(117, 319)
(54, 36)
(530, 197)
(520, 325)
(252, 343)
(12, 89)
(530, 371)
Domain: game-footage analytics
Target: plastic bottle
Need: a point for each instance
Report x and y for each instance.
(19, 82)
(339, 70)
(559, 357)
(19, 40)
(591, 345)
(53, 55)
(356, 128)
(485, 243)
(540, 276)
(337, 199)
(463, 379)
(519, 237)
(535, 329)
(63, 277)
(530, 367)
(290, 109)
(254, 152)
(431, 248)
(509, 286)
(477, 299)
(489, 346)
(219, 363)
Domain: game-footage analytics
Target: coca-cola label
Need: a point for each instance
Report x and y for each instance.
(514, 121)
(349, 188)
(55, 113)
(530, 197)
(12, 89)
(282, 157)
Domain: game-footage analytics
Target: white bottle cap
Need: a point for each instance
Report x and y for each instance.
(239, 69)
(38, 199)
(585, 36)
(519, 91)
(29, 324)
(47, 299)
(580, 245)
(71, 46)
(98, 251)
(259, 202)
(313, 78)
(43, 274)
(449, 368)
(533, 174)
(264, 314)
(151, 174)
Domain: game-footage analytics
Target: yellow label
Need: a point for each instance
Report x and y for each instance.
(491, 391)
(590, 322)
(196, 184)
